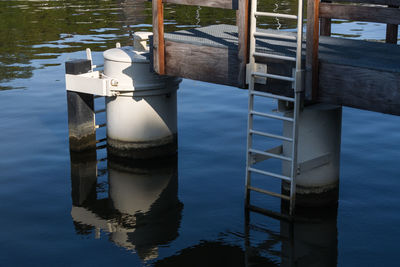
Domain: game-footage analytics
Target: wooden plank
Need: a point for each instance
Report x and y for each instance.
(203, 63)
(376, 2)
(243, 42)
(326, 27)
(360, 13)
(227, 4)
(158, 37)
(312, 50)
(360, 88)
(392, 31)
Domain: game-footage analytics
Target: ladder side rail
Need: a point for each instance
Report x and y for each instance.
(297, 85)
(296, 110)
(253, 9)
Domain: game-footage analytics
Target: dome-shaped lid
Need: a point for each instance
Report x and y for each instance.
(124, 54)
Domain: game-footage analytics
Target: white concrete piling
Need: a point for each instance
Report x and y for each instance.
(317, 182)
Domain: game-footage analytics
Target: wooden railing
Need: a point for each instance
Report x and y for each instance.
(227, 4)
(380, 11)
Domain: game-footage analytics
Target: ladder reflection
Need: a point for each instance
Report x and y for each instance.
(310, 239)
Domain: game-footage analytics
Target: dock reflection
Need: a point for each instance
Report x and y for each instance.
(309, 240)
(141, 210)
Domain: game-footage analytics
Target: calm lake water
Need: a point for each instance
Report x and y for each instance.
(193, 215)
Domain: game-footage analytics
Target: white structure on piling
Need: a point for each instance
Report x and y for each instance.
(141, 105)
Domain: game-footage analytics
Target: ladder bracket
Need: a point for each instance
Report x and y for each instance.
(257, 67)
(256, 158)
(298, 84)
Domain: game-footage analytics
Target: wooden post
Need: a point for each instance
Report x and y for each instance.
(158, 37)
(312, 50)
(242, 21)
(392, 31)
(326, 24)
(82, 132)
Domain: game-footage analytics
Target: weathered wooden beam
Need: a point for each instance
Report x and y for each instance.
(227, 4)
(376, 2)
(312, 50)
(81, 124)
(392, 31)
(243, 43)
(158, 37)
(360, 13)
(203, 63)
(326, 24)
(360, 88)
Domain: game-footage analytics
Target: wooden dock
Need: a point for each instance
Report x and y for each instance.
(355, 73)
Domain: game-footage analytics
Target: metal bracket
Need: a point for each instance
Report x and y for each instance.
(90, 83)
(258, 158)
(298, 84)
(258, 67)
(248, 73)
(301, 167)
(314, 163)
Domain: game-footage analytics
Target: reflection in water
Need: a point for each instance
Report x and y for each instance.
(213, 254)
(45, 29)
(135, 12)
(142, 210)
(310, 240)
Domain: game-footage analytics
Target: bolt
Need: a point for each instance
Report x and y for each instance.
(114, 82)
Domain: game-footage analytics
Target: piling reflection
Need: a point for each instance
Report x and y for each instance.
(141, 211)
(309, 240)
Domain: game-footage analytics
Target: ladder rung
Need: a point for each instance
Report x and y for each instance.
(100, 110)
(257, 54)
(273, 76)
(286, 178)
(252, 112)
(273, 214)
(101, 140)
(101, 147)
(268, 154)
(268, 192)
(275, 15)
(280, 137)
(101, 160)
(279, 97)
(275, 35)
(100, 126)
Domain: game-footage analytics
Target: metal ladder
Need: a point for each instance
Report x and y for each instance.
(296, 81)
